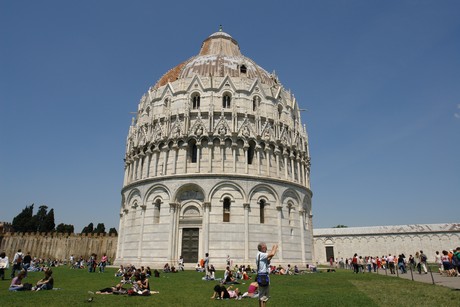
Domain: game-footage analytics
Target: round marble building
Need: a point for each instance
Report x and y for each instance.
(217, 160)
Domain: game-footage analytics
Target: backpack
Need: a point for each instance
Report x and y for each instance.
(19, 259)
(423, 258)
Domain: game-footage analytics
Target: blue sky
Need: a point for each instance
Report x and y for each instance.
(380, 80)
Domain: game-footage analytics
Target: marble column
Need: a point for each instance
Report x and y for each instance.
(141, 165)
(234, 149)
(198, 157)
(148, 160)
(279, 208)
(257, 150)
(286, 165)
(175, 150)
(164, 169)
(205, 226)
(185, 149)
(141, 234)
(210, 149)
(246, 162)
(246, 232)
(267, 159)
(222, 157)
(299, 173)
(277, 157)
(156, 157)
(172, 227)
(292, 166)
(302, 234)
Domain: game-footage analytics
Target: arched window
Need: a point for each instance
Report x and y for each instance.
(290, 213)
(262, 211)
(255, 103)
(243, 69)
(226, 99)
(226, 217)
(251, 150)
(196, 101)
(156, 212)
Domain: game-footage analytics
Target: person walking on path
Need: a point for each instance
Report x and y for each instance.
(263, 264)
(423, 260)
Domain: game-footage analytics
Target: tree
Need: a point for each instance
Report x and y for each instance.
(22, 222)
(100, 228)
(40, 218)
(113, 231)
(64, 228)
(48, 223)
(88, 229)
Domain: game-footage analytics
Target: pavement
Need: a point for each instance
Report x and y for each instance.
(430, 278)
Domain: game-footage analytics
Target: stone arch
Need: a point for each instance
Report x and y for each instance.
(290, 196)
(134, 198)
(189, 191)
(192, 209)
(226, 188)
(260, 189)
(158, 191)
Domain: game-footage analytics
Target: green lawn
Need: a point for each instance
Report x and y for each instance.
(187, 289)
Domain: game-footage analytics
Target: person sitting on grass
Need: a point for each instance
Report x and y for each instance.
(45, 283)
(16, 282)
(121, 271)
(252, 290)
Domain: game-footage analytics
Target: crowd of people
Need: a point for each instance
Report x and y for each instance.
(448, 263)
(135, 281)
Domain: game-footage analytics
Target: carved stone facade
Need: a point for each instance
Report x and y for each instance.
(384, 240)
(217, 160)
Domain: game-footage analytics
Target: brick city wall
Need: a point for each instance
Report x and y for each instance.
(59, 246)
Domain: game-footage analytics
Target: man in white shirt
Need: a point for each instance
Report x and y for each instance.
(263, 270)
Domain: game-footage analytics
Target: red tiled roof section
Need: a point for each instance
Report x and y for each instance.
(171, 75)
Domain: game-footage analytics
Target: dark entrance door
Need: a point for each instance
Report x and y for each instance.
(190, 238)
(329, 253)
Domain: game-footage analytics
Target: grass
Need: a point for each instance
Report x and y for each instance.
(187, 289)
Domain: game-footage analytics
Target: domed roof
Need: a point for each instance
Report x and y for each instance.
(219, 56)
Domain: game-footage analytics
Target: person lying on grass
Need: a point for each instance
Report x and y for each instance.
(221, 292)
(118, 289)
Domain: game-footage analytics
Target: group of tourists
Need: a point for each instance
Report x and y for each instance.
(448, 263)
(135, 281)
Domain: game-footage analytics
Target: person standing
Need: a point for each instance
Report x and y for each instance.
(181, 263)
(456, 259)
(103, 263)
(4, 264)
(206, 266)
(17, 263)
(423, 260)
(263, 264)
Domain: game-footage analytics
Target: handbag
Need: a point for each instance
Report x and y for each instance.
(262, 278)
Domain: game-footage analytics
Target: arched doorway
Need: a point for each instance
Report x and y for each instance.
(190, 222)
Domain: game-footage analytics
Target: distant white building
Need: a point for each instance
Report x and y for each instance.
(217, 160)
(384, 240)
